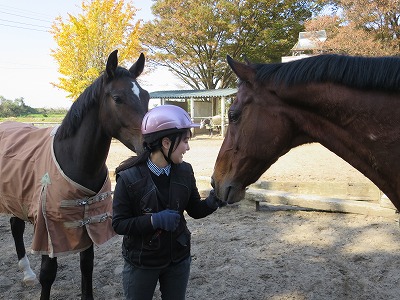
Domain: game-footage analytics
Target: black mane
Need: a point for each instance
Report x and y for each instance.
(360, 72)
(89, 98)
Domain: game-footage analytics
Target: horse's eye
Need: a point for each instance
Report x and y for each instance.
(233, 116)
(117, 99)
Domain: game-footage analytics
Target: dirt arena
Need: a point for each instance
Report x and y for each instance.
(238, 253)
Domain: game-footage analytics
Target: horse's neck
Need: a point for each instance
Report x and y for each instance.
(363, 132)
(82, 157)
(343, 110)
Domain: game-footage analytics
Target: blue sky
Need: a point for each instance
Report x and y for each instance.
(25, 62)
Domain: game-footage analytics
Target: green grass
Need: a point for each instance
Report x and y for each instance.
(36, 118)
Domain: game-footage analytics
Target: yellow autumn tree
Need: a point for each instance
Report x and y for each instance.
(85, 41)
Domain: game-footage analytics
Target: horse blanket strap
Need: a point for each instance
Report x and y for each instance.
(86, 201)
(90, 220)
(34, 188)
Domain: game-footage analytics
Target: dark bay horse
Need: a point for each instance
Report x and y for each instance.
(350, 105)
(74, 155)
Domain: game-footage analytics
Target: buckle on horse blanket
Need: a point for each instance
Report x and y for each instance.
(85, 201)
(95, 219)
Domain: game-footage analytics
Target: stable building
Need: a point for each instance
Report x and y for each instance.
(200, 104)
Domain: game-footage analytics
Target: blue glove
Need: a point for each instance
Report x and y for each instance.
(167, 220)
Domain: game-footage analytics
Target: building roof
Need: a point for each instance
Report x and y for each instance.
(185, 94)
(310, 40)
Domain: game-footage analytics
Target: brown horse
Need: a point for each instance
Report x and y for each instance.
(350, 105)
(57, 178)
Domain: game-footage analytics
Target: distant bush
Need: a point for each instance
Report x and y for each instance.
(14, 108)
(18, 109)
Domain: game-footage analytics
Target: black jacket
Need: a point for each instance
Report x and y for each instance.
(135, 199)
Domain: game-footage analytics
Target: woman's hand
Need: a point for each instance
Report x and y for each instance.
(166, 220)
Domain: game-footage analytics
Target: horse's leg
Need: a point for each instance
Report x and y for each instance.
(17, 230)
(86, 262)
(48, 271)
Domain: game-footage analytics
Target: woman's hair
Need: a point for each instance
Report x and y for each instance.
(175, 138)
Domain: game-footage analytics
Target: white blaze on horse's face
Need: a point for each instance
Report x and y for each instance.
(135, 89)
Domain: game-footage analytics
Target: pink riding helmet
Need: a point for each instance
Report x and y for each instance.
(166, 117)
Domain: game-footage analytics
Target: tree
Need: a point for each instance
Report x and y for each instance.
(368, 28)
(345, 38)
(379, 17)
(192, 38)
(85, 41)
(14, 108)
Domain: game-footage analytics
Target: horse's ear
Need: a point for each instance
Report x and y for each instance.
(246, 60)
(112, 64)
(243, 71)
(138, 66)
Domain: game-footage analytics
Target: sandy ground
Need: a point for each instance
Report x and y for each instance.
(238, 253)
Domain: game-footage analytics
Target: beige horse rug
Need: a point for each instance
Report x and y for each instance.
(67, 217)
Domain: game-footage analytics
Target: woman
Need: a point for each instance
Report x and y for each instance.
(151, 194)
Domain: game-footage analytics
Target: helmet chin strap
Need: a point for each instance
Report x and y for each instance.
(170, 150)
(166, 158)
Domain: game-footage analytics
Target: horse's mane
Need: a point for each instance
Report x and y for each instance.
(89, 98)
(360, 72)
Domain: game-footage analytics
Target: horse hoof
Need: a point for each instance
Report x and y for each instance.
(29, 275)
(30, 280)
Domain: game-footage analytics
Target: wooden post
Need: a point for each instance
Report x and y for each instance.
(192, 113)
(222, 116)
